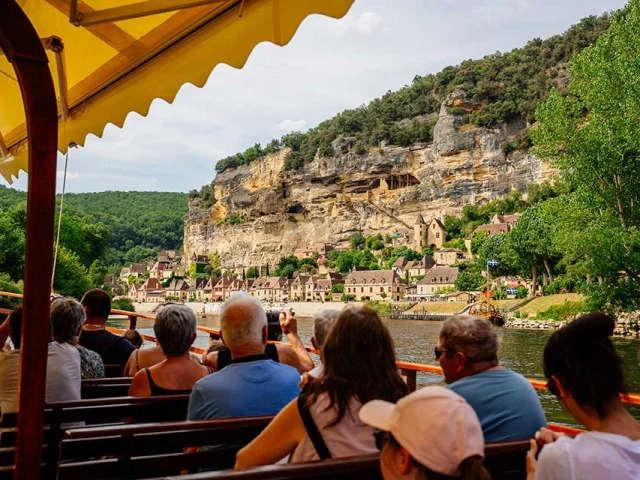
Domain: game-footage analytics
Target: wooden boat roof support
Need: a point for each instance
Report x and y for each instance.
(22, 46)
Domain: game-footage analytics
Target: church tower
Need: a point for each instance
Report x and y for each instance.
(420, 229)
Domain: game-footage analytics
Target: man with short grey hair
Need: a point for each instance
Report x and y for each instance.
(506, 404)
(322, 323)
(252, 384)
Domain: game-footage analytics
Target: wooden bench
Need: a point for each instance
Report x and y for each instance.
(62, 416)
(149, 450)
(105, 387)
(504, 460)
(354, 468)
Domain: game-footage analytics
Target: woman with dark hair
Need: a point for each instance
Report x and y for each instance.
(323, 422)
(586, 376)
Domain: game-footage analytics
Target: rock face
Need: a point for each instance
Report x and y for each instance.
(382, 191)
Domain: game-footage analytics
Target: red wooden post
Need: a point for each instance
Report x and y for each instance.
(21, 44)
(132, 321)
(410, 378)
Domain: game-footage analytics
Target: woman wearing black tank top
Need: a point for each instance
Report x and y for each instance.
(175, 330)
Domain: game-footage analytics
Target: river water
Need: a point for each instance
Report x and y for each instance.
(520, 350)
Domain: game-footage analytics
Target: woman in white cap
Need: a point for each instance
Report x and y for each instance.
(431, 434)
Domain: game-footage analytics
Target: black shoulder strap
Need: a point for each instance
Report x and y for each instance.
(312, 429)
(223, 359)
(271, 351)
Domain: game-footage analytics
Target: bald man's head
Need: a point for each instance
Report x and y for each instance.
(242, 321)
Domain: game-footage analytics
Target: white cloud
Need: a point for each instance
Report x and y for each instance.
(495, 12)
(368, 22)
(291, 125)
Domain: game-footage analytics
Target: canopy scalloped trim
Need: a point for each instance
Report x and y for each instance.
(229, 40)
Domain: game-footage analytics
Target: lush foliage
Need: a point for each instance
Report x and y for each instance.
(99, 233)
(593, 136)
(123, 303)
(287, 266)
(506, 86)
(565, 311)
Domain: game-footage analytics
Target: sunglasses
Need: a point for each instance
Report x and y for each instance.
(438, 353)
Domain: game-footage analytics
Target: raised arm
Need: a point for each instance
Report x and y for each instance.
(289, 326)
(278, 440)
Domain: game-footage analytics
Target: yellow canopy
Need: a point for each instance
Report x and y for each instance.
(112, 57)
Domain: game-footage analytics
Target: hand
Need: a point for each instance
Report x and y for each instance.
(288, 323)
(304, 379)
(544, 436)
(531, 459)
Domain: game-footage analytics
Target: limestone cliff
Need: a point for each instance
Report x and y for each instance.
(380, 191)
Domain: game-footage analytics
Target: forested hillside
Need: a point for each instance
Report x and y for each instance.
(506, 86)
(100, 232)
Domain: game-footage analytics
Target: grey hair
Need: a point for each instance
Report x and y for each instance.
(175, 329)
(242, 319)
(67, 318)
(475, 337)
(322, 322)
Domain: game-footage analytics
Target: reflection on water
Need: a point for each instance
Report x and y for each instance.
(521, 350)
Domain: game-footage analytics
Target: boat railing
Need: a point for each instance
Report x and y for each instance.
(408, 370)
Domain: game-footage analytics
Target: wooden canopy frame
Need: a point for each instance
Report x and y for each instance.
(20, 43)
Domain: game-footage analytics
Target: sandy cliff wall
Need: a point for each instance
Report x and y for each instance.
(380, 191)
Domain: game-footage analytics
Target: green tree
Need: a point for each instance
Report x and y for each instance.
(357, 241)
(593, 137)
(252, 272)
(71, 277)
(123, 303)
(470, 281)
(11, 247)
(97, 272)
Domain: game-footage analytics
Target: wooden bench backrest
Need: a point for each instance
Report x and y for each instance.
(156, 438)
(104, 390)
(98, 411)
(505, 461)
(164, 443)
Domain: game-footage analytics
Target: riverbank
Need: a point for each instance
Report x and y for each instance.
(627, 325)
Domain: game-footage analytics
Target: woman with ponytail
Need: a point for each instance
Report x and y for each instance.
(431, 434)
(585, 374)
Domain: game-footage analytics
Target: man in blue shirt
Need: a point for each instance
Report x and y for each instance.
(506, 403)
(252, 385)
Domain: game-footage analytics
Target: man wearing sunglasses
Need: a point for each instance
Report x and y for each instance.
(506, 404)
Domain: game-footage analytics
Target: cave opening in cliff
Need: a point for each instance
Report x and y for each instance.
(297, 208)
(395, 182)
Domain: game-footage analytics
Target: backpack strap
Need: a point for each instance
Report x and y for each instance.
(312, 429)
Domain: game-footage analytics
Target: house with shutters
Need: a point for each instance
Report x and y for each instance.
(439, 277)
(375, 285)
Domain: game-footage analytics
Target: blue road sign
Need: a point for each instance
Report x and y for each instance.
(492, 263)
(512, 291)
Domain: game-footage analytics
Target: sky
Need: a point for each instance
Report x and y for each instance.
(330, 65)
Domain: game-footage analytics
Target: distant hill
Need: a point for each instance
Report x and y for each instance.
(140, 223)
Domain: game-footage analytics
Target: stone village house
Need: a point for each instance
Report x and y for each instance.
(375, 285)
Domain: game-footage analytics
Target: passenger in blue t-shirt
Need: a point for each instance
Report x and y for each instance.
(252, 384)
(506, 403)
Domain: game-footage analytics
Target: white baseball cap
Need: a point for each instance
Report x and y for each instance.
(436, 426)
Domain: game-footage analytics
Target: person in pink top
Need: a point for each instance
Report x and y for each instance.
(359, 366)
